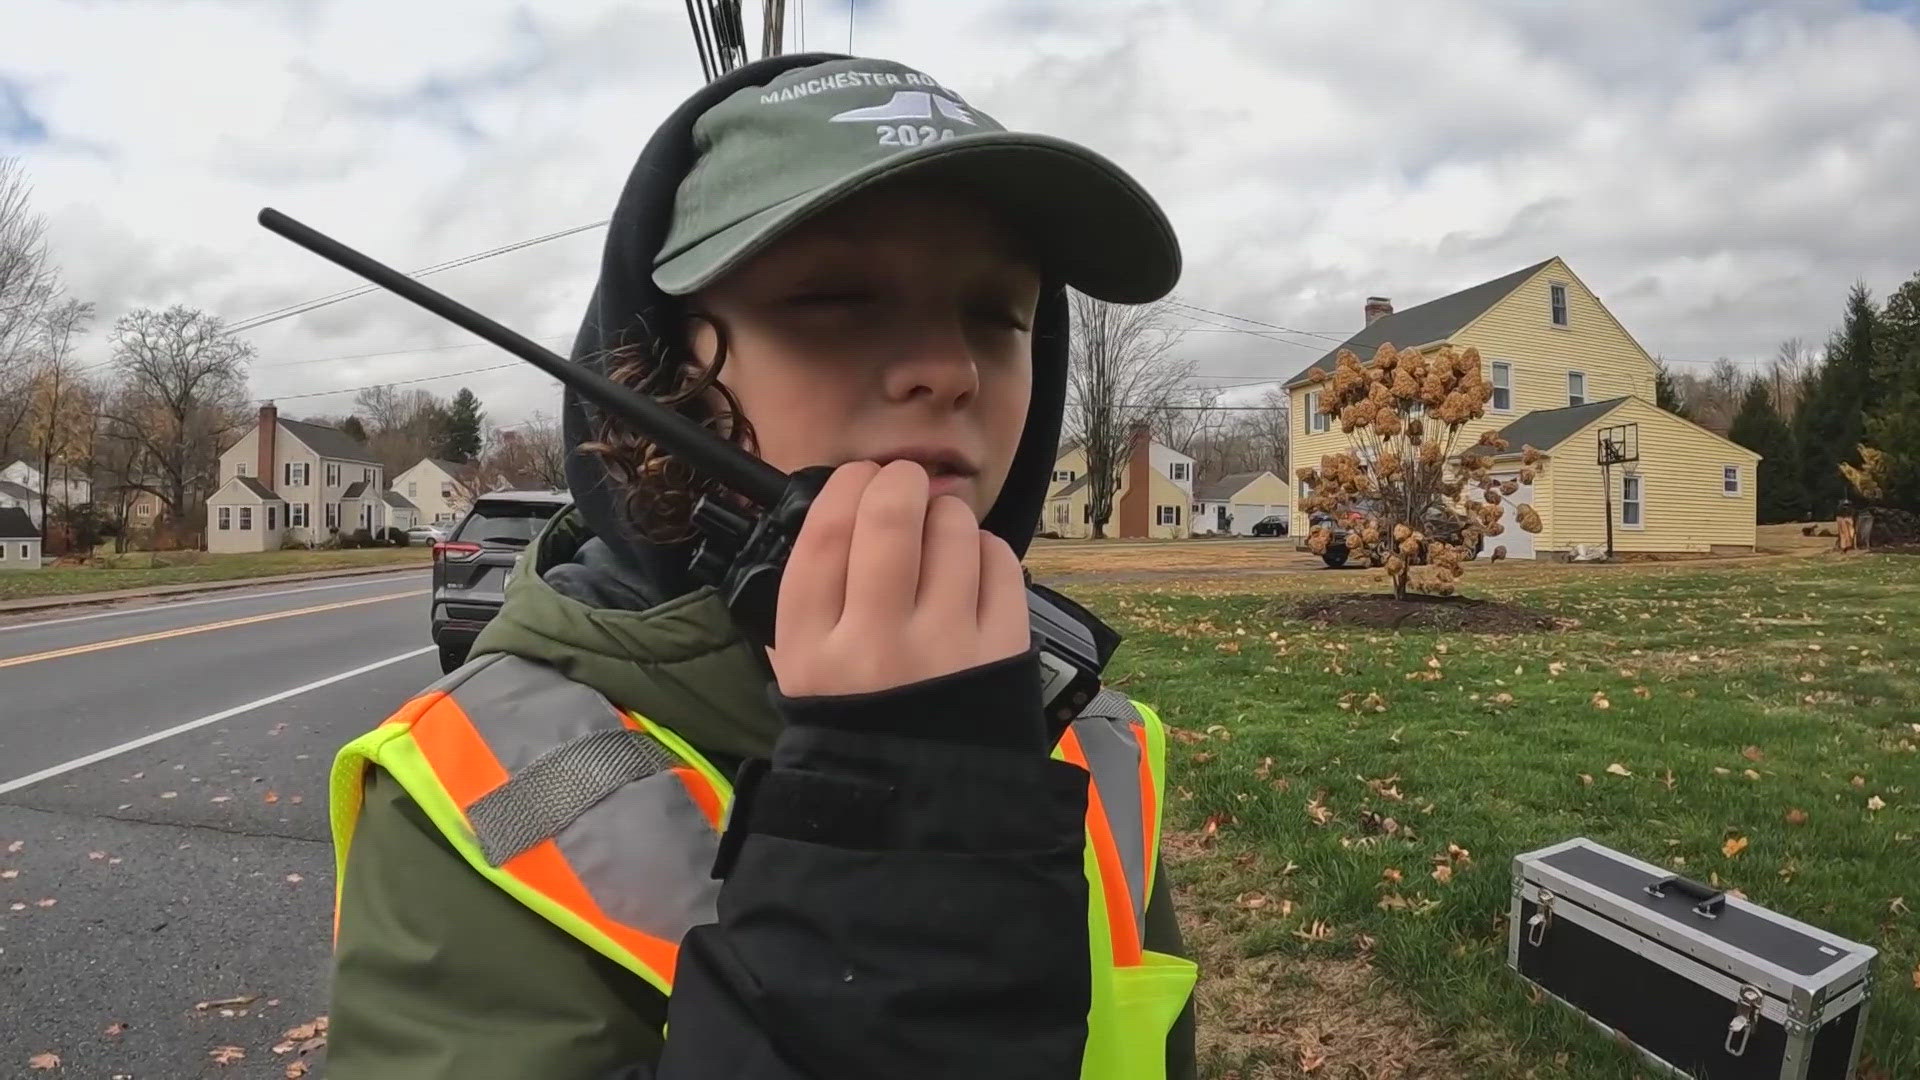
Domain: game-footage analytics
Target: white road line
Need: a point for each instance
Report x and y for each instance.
(371, 579)
(224, 714)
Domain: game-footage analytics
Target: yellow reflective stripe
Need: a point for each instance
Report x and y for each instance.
(1156, 750)
(346, 792)
(687, 754)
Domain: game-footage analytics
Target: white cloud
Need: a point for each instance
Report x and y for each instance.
(1719, 170)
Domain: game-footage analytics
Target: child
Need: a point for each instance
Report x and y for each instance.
(544, 868)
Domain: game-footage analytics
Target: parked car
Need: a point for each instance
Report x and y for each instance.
(426, 534)
(1439, 527)
(471, 567)
(1271, 525)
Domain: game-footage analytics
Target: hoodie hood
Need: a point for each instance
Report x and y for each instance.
(628, 309)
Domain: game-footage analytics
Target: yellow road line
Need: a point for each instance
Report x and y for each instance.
(162, 635)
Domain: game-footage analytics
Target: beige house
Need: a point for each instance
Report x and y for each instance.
(401, 514)
(327, 481)
(1153, 500)
(1570, 381)
(245, 515)
(19, 540)
(1235, 504)
(440, 490)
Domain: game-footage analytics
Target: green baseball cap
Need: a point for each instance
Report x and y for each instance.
(772, 156)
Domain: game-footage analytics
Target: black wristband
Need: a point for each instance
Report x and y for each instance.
(993, 705)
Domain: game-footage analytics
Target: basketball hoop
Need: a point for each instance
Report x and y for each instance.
(1617, 446)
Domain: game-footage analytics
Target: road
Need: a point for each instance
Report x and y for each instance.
(163, 819)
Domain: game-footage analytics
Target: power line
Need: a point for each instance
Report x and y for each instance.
(1258, 322)
(399, 382)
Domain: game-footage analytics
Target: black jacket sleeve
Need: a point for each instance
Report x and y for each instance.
(904, 896)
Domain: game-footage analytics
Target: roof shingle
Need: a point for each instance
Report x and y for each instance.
(330, 442)
(16, 525)
(1435, 320)
(1544, 429)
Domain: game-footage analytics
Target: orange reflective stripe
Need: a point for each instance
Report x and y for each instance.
(1113, 880)
(701, 792)
(545, 868)
(1148, 810)
(461, 759)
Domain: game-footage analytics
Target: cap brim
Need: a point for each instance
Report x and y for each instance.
(1092, 223)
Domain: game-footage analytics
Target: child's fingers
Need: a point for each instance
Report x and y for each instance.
(1005, 625)
(949, 568)
(884, 554)
(813, 586)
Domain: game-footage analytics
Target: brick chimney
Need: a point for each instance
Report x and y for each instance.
(1378, 307)
(269, 427)
(1135, 512)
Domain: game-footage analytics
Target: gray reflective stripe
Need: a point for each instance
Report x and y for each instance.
(646, 853)
(554, 789)
(524, 709)
(1106, 735)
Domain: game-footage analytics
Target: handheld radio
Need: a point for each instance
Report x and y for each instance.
(741, 554)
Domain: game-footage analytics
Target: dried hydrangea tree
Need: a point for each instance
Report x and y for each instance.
(1402, 412)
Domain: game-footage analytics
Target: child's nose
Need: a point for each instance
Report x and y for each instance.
(937, 364)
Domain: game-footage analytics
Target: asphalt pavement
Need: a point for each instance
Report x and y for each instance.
(166, 873)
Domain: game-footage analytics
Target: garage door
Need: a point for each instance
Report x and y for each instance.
(1246, 515)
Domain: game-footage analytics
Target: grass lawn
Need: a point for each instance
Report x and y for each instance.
(137, 569)
(1753, 723)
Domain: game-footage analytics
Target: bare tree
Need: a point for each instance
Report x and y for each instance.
(59, 400)
(118, 464)
(1188, 420)
(29, 283)
(402, 426)
(183, 391)
(1713, 399)
(531, 453)
(1787, 374)
(1122, 372)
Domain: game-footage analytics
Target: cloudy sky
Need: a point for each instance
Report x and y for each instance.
(1719, 171)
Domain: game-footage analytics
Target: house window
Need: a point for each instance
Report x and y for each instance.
(446, 491)
(1576, 388)
(239, 468)
(333, 516)
(413, 489)
(226, 517)
(1730, 479)
(1630, 501)
(1316, 420)
(297, 515)
(246, 519)
(333, 474)
(1557, 304)
(26, 552)
(1086, 513)
(144, 510)
(1166, 515)
(298, 473)
(1502, 386)
(273, 514)
(1065, 476)
(1181, 471)
(367, 475)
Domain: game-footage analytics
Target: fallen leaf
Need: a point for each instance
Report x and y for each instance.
(16, 906)
(1586, 779)
(1264, 769)
(1391, 874)
(220, 798)
(169, 794)
(303, 1032)
(116, 1028)
(1556, 668)
(296, 1070)
(1752, 753)
(1321, 930)
(14, 848)
(96, 856)
(1203, 757)
(295, 800)
(1443, 873)
(270, 797)
(1734, 846)
(1719, 771)
(294, 879)
(9, 875)
(1456, 853)
(1289, 868)
(1252, 901)
(1318, 810)
(1796, 816)
(226, 1055)
(226, 1002)
(1750, 774)
(1898, 906)
(1617, 769)
(1858, 781)
(1502, 699)
(1311, 1058)
(1668, 780)
(1641, 691)
(44, 1061)
(48, 902)
(1874, 802)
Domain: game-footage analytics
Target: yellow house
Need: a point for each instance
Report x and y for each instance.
(1153, 500)
(1567, 378)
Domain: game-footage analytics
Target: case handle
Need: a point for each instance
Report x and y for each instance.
(1709, 900)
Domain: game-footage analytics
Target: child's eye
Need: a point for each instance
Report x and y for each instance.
(1000, 317)
(828, 298)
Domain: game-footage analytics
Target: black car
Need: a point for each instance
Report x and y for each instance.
(1439, 527)
(471, 566)
(1271, 525)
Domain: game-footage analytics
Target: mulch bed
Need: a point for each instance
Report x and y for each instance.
(1423, 612)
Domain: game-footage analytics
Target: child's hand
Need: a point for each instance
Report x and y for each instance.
(883, 589)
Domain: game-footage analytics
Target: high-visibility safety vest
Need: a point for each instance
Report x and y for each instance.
(607, 824)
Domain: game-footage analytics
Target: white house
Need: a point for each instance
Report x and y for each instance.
(63, 489)
(1234, 504)
(1151, 500)
(440, 490)
(19, 540)
(324, 480)
(20, 497)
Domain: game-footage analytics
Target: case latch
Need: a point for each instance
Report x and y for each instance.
(1740, 1029)
(1543, 918)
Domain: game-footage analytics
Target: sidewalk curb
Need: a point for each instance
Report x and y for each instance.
(45, 603)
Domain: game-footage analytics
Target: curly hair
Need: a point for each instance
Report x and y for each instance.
(659, 492)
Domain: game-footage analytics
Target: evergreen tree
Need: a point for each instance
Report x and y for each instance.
(1759, 428)
(460, 431)
(1830, 424)
(1894, 424)
(352, 426)
(1666, 393)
